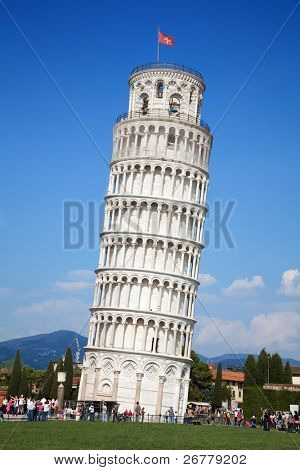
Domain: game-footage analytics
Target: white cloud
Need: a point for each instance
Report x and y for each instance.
(277, 331)
(4, 291)
(50, 315)
(244, 287)
(77, 280)
(207, 279)
(81, 275)
(51, 306)
(290, 283)
(73, 285)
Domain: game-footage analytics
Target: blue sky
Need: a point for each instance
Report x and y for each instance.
(89, 47)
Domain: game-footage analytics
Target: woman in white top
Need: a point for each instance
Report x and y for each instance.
(46, 409)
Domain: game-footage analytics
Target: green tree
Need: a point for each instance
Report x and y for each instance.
(54, 387)
(201, 378)
(35, 378)
(68, 368)
(208, 393)
(47, 385)
(250, 371)
(227, 393)
(16, 375)
(218, 390)
(262, 368)
(24, 389)
(276, 369)
(287, 374)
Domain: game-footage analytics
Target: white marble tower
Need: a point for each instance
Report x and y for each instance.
(142, 317)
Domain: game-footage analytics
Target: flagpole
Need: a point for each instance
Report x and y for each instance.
(158, 44)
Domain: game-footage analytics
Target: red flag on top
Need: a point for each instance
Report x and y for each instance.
(165, 39)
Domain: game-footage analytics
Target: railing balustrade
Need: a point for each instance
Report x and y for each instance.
(156, 113)
(162, 65)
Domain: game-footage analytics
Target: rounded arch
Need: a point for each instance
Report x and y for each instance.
(144, 103)
(151, 370)
(184, 373)
(108, 358)
(129, 368)
(159, 89)
(174, 103)
(106, 387)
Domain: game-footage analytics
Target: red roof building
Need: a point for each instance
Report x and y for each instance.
(234, 380)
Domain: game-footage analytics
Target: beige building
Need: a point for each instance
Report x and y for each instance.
(234, 380)
(296, 375)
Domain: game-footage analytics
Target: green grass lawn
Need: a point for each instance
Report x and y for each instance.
(97, 435)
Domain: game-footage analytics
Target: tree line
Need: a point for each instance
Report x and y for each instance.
(266, 369)
(202, 387)
(20, 383)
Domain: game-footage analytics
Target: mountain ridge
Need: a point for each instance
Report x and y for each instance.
(238, 360)
(37, 350)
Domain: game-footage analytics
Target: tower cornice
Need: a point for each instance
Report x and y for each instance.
(140, 313)
(157, 200)
(164, 161)
(138, 353)
(151, 273)
(152, 235)
(167, 69)
(152, 117)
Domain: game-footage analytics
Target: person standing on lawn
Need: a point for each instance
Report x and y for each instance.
(143, 414)
(137, 412)
(92, 412)
(266, 420)
(104, 413)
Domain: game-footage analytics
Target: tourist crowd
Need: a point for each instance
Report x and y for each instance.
(235, 417)
(281, 421)
(89, 413)
(43, 409)
(36, 410)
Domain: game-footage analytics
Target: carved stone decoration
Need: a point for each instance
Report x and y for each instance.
(106, 388)
(129, 368)
(171, 374)
(151, 371)
(108, 367)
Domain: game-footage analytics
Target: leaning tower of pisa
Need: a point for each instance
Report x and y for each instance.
(142, 318)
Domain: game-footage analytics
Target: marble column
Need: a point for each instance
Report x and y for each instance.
(83, 381)
(137, 398)
(176, 395)
(186, 384)
(161, 382)
(96, 384)
(116, 385)
(91, 331)
(165, 347)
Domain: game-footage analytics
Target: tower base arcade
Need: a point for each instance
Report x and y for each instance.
(156, 383)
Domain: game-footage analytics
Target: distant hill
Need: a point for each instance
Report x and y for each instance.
(37, 350)
(238, 360)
